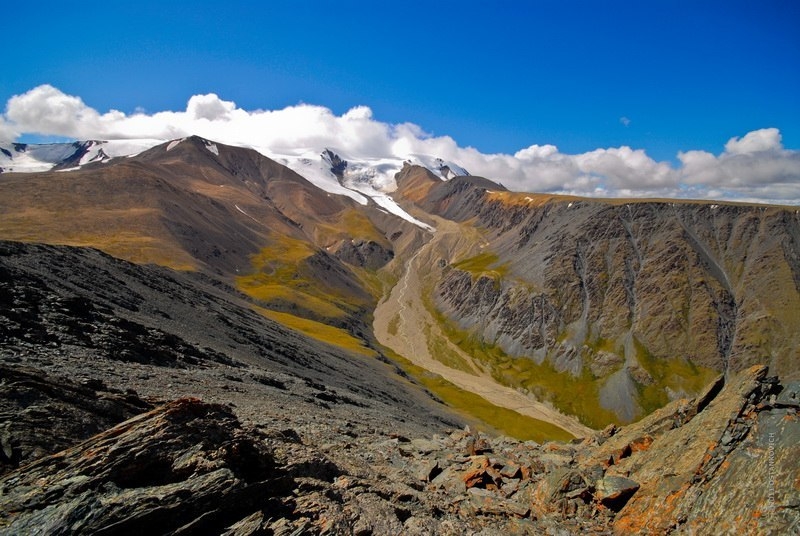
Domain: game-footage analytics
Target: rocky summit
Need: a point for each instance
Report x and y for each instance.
(197, 339)
(721, 463)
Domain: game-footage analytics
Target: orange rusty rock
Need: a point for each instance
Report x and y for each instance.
(620, 454)
(526, 472)
(481, 478)
(641, 516)
(641, 444)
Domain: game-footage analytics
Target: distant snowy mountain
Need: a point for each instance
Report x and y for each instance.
(30, 158)
(446, 170)
(358, 179)
(331, 170)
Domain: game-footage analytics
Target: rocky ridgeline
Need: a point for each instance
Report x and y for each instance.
(724, 462)
(699, 276)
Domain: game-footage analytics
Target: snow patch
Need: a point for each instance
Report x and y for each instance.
(313, 169)
(444, 168)
(211, 146)
(240, 209)
(360, 180)
(24, 158)
(391, 206)
(174, 143)
(103, 151)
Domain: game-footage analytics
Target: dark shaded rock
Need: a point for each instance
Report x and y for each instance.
(32, 402)
(614, 491)
(486, 502)
(482, 475)
(186, 467)
(364, 253)
(429, 470)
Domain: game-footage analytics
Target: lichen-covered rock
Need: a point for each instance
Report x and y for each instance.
(718, 471)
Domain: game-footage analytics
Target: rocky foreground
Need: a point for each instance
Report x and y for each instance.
(722, 463)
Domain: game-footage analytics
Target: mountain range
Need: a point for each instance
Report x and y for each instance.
(407, 297)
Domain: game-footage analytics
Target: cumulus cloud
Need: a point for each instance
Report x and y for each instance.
(766, 139)
(753, 167)
(7, 132)
(209, 107)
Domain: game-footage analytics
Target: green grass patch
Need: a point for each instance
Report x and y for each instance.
(578, 396)
(286, 298)
(484, 264)
(349, 224)
(321, 332)
(572, 395)
(441, 351)
(480, 412)
(676, 373)
(278, 281)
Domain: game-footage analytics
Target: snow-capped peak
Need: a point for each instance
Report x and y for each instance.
(360, 178)
(29, 158)
(445, 169)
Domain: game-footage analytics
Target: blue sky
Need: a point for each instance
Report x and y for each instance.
(662, 77)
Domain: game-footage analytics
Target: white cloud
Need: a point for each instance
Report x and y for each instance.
(7, 132)
(753, 167)
(47, 110)
(766, 139)
(625, 168)
(209, 107)
(625, 121)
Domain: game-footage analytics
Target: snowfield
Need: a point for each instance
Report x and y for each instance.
(360, 179)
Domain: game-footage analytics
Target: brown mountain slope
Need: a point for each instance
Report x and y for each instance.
(414, 183)
(193, 204)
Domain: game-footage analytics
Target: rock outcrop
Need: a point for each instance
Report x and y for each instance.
(724, 462)
(40, 414)
(184, 468)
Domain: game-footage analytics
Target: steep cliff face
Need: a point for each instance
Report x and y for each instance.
(640, 298)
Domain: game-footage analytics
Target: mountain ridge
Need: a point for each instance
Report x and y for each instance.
(583, 271)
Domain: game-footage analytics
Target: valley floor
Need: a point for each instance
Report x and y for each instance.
(404, 324)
